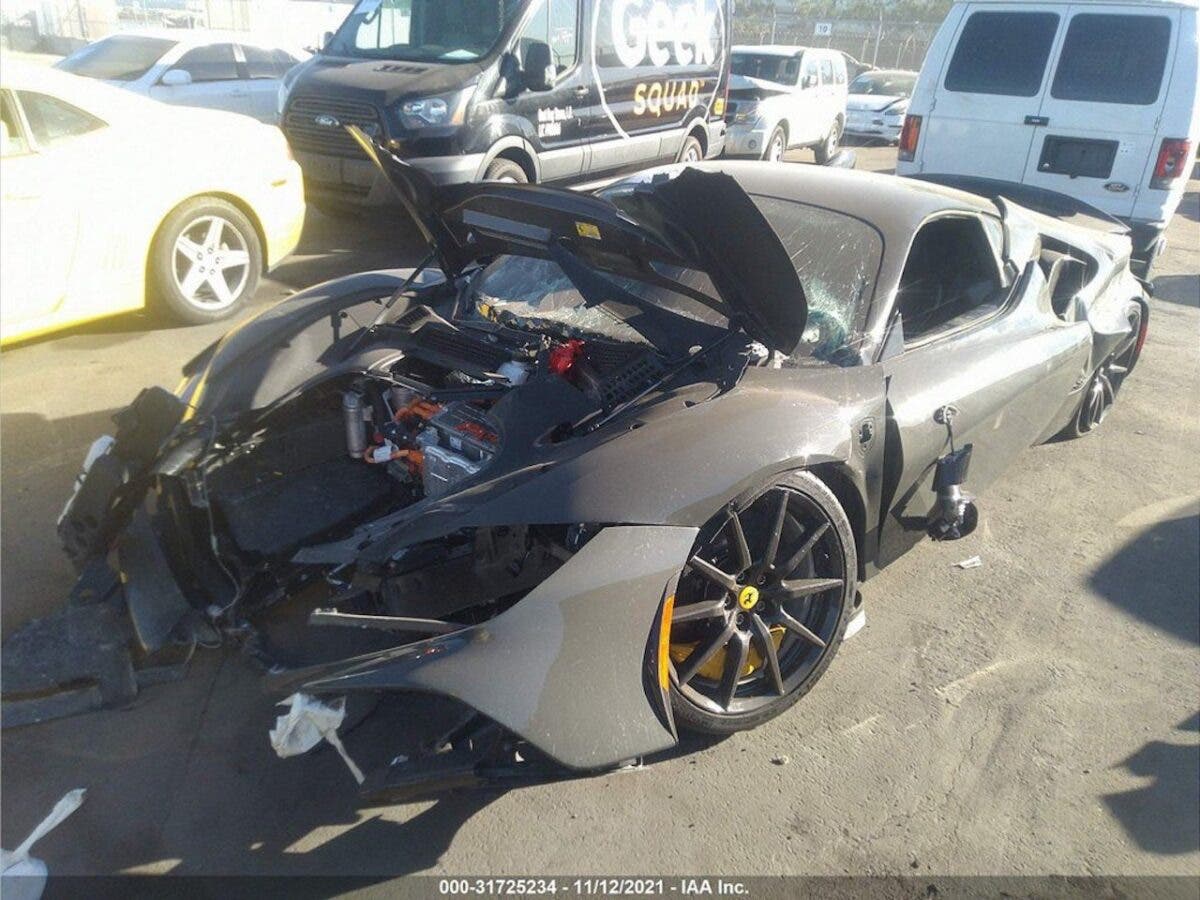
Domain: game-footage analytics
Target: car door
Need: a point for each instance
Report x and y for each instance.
(985, 344)
(1099, 118)
(215, 80)
(988, 98)
(805, 116)
(557, 116)
(39, 206)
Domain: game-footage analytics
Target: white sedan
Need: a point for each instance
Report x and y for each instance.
(877, 103)
(111, 202)
(233, 71)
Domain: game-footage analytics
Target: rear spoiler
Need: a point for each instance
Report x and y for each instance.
(1039, 200)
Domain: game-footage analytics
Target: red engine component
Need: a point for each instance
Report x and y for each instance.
(564, 356)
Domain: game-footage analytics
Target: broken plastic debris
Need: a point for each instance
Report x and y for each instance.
(24, 877)
(781, 760)
(307, 722)
(971, 562)
(855, 625)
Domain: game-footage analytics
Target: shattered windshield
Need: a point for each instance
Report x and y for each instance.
(423, 30)
(537, 294)
(837, 258)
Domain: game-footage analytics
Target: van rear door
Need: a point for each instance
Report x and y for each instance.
(1100, 113)
(989, 94)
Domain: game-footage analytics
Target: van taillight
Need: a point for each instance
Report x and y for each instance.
(909, 135)
(1172, 160)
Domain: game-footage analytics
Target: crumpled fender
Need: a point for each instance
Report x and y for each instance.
(586, 632)
(676, 463)
(288, 344)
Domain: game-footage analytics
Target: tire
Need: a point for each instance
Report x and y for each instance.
(776, 146)
(1100, 394)
(222, 247)
(505, 170)
(828, 148)
(813, 524)
(692, 151)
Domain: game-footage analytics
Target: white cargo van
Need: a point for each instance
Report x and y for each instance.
(1095, 100)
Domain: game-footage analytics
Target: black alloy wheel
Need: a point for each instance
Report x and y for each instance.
(1101, 391)
(761, 607)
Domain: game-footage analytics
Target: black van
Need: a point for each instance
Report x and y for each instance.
(509, 90)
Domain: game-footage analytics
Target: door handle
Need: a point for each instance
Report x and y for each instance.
(580, 90)
(1037, 120)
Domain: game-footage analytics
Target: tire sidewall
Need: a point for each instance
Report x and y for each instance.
(499, 168)
(690, 142)
(691, 717)
(828, 148)
(166, 292)
(776, 135)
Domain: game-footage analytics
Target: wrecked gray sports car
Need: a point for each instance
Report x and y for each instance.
(603, 467)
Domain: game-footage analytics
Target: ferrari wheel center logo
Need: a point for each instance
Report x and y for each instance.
(748, 598)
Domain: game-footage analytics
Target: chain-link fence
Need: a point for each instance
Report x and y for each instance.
(59, 26)
(883, 43)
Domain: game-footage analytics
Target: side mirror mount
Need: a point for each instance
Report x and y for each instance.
(539, 72)
(893, 341)
(176, 78)
(326, 40)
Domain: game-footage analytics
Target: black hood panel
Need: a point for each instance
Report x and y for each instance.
(683, 217)
(383, 82)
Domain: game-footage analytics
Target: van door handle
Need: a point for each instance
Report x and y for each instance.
(1037, 120)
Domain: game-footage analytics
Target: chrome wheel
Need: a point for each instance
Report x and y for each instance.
(211, 263)
(692, 154)
(1096, 402)
(775, 149)
(758, 607)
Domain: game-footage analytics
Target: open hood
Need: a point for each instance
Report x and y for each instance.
(684, 217)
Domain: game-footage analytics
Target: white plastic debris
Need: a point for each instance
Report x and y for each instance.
(515, 372)
(24, 877)
(971, 562)
(856, 624)
(307, 722)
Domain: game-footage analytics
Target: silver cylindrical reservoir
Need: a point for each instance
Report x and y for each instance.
(353, 409)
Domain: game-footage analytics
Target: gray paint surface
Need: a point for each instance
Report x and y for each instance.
(582, 633)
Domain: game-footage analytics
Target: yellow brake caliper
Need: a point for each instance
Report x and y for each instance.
(714, 669)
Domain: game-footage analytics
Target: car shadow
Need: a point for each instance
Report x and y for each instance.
(1181, 289)
(1161, 816)
(161, 774)
(1133, 578)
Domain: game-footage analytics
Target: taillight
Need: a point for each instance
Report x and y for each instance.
(909, 135)
(1172, 160)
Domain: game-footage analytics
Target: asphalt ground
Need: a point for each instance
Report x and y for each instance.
(1038, 714)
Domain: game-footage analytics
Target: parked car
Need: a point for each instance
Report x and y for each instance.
(627, 456)
(782, 97)
(233, 71)
(1097, 102)
(111, 202)
(878, 102)
(509, 90)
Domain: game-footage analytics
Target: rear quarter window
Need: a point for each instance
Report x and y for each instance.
(1113, 59)
(1002, 53)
